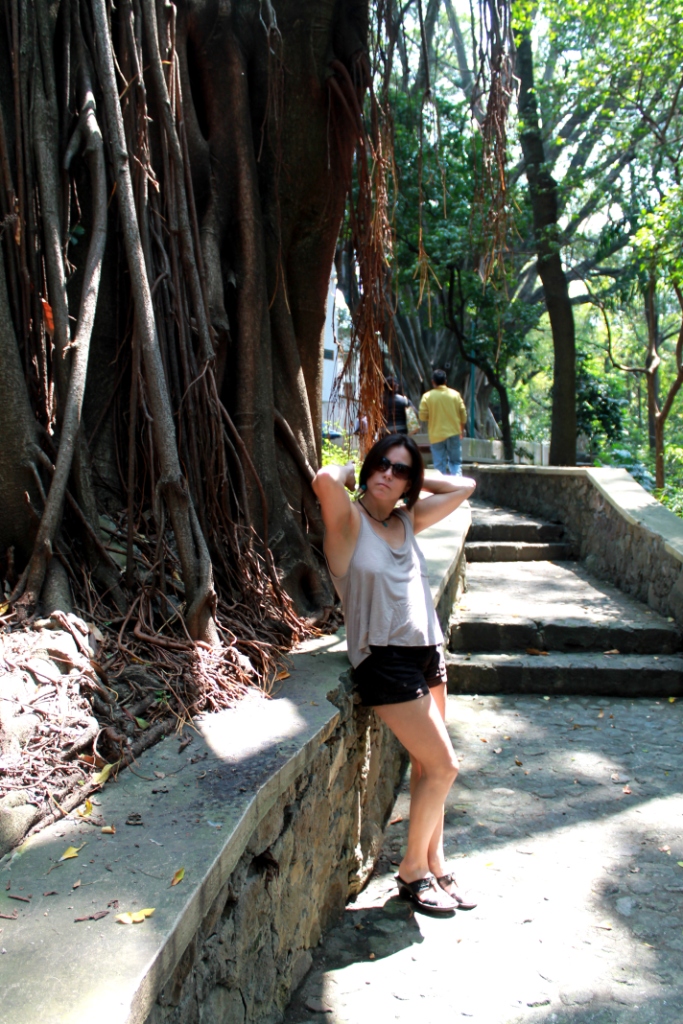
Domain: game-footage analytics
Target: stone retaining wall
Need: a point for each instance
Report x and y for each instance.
(316, 845)
(621, 532)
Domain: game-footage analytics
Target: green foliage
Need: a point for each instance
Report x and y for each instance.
(637, 462)
(442, 180)
(334, 454)
(598, 409)
(446, 185)
(672, 497)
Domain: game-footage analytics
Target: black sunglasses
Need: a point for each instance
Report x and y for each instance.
(399, 469)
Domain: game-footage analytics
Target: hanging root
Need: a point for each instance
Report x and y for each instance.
(91, 137)
(372, 241)
(495, 76)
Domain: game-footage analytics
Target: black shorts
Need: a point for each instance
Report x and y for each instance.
(392, 675)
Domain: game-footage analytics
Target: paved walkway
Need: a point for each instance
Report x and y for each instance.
(567, 821)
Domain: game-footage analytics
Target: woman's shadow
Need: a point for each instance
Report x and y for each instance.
(364, 935)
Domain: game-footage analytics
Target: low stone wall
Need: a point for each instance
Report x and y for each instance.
(316, 845)
(621, 532)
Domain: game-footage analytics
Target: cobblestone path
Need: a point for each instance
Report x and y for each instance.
(567, 822)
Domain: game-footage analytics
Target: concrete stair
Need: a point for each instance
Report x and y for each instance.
(515, 551)
(542, 626)
(499, 535)
(623, 675)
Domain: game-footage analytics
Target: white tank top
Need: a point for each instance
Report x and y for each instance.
(386, 594)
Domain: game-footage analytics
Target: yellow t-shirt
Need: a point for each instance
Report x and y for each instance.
(444, 412)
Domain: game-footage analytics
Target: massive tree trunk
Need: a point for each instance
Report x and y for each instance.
(228, 162)
(543, 196)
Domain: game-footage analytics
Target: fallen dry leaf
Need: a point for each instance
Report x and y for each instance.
(518, 762)
(76, 885)
(395, 820)
(178, 877)
(109, 830)
(101, 777)
(614, 650)
(626, 790)
(601, 713)
(92, 917)
(85, 810)
(134, 916)
(282, 675)
(534, 651)
(141, 723)
(72, 851)
(483, 740)
(680, 863)
(160, 775)
(94, 631)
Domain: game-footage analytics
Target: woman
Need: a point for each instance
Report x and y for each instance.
(393, 635)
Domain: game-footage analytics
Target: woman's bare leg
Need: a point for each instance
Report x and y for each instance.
(419, 726)
(436, 857)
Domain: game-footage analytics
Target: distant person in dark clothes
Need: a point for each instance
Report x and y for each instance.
(395, 406)
(444, 412)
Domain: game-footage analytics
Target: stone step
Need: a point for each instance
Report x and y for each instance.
(622, 675)
(516, 551)
(501, 525)
(501, 633)
(552, 606)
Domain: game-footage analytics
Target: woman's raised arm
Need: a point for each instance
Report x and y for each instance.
(447, 494)
(330, 485)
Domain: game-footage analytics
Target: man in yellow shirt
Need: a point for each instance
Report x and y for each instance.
(444, 412)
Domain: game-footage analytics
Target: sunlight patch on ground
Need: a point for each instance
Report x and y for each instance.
(551, 931)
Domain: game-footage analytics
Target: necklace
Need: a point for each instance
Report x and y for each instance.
(384, 522)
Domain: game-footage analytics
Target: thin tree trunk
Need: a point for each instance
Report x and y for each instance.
(424, 72)
(544, 203)
(652, 361)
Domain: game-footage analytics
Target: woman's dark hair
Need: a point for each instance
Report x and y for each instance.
(378, 452)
